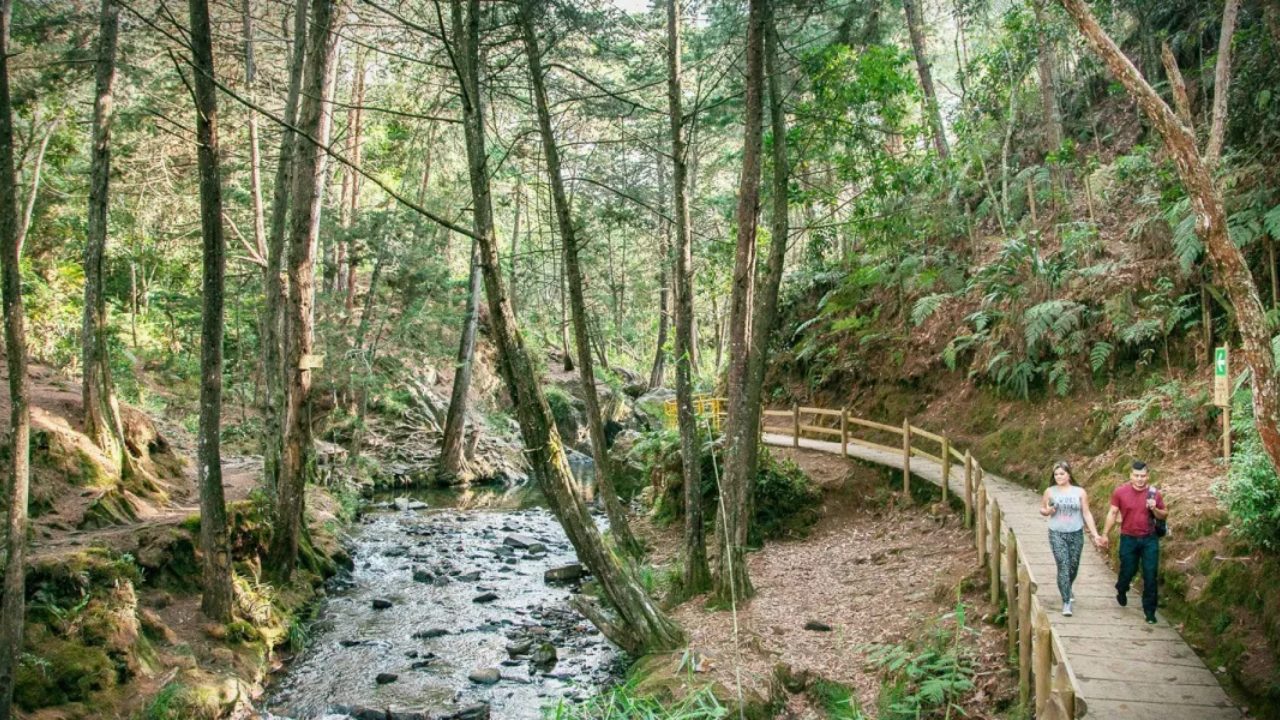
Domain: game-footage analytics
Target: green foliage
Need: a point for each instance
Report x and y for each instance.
(562, 410)
(1251, 492)
(625, 703)
(839, 702)
(928, 678)
(785, 500)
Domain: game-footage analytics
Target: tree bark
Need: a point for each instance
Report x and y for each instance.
(619, 527)
(274, 280)
(297, 459)
(12, 608)
(1221, 85)
(101, 411)
(697, 574)
(218, 598)
(255, 155)
(346, 251)
(732, 585)
(1178, 86)
(1229, 266)
(453, 464)
(921, 51)
(1046, 64)
(24, 222)
(640, 626)
(658, 371)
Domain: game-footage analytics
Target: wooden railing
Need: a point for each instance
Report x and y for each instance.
(1044, 671)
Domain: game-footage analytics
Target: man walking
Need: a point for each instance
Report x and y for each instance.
(1138, 506)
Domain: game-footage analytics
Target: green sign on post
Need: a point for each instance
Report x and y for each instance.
(1221, 378)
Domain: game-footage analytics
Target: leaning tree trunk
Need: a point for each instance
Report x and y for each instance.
(12, 608)
(618, 524)
(1229, 266)
(1221, 85)
(297, 459)
(640, 625)
(275, 286)
(453, 463)
(697, 575)
(741, 435)
(921, 51)
(215, 541)
(101, 410)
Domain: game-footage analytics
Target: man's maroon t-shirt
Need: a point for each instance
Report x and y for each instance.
(1135, 519)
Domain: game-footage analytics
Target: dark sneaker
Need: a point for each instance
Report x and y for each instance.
(1122, 598)
(1151, 618)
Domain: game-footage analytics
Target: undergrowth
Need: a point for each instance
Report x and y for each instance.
(929, 677)
(623, 703)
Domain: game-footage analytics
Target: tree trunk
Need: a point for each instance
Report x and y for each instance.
(255, 156)
(921, 51)
(1229, 266)
(1221, 85)
(697, 575)
(217, 600)
(24, 222)
(1047, 63)
(619, 527)
(1181, 102)
(347, 251)
(741, 436)
(453, 464)
(640, 626)
(515, 235)
(12, 609)
(657, 374)
(297, 459)
(101, 411)
(274, 279)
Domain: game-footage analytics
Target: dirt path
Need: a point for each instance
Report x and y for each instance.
(870, 571)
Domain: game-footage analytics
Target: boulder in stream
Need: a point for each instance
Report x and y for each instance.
(564, 574)
(381, 604)
(485, 676)
(516, 540)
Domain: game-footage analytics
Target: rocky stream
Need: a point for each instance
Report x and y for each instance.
(457, 608)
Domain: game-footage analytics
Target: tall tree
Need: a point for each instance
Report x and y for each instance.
(215, 543)
(255, 155)
(297, 459)
(639, 625)
(618, 524)
(101, 410)
(915, 27)
(453, 465)
(275, 281)
(13, 606)
(697, 574)
(658, 371)
(1047, 65)
(741, 434)
(1228, 263)
(1221, 85)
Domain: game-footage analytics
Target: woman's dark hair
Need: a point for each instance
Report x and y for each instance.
(1071, 477)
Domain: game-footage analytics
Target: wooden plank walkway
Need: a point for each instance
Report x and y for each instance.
(1125, 669)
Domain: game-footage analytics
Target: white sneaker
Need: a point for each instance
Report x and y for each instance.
(1066, 609)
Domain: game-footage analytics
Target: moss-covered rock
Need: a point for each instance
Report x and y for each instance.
(54, 671)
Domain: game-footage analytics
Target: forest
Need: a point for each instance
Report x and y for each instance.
(589, 359)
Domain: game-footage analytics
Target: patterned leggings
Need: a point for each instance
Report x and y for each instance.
(1066, 548)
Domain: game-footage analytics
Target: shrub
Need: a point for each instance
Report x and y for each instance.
(1251, 492)
(786, 500)
(624, 703)
(927, 678)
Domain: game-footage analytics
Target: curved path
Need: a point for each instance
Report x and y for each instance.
(1125, 669)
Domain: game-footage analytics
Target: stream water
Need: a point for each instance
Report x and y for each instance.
(447, 614)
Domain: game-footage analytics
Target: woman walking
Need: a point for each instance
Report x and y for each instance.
(1067, 507)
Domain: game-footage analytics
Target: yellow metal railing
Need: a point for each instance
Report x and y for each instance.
(707, 406)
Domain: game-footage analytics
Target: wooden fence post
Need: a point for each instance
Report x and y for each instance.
(996, 556)
(946, 468)
(1043, 660)
(981, 536)
(795, 425)
(844, 431)
(906, 458)
(1064, 696)
(1011, 590)
(1024, 635)
(968, 489)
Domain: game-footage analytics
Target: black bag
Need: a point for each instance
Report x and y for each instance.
(1161, 527)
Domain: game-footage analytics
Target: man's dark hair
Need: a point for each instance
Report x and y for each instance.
(1139, 465)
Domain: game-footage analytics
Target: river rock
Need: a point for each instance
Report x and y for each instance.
(479, 711)
(520, 648)
(422, 576)
(564, 573)
(381, 604)
(536, 549)
(401, 503)
(545, 656)
(486, 597)
(428, 634)
(386, 678)
(485, 676)
(472, 576)
(517, 540)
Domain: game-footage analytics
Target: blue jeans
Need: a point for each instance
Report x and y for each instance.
(1143, 551)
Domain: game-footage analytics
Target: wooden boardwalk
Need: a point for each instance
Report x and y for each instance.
(1121, 668)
